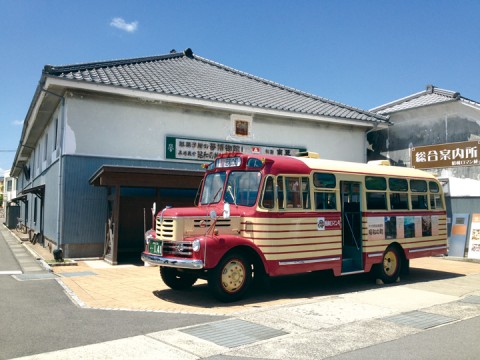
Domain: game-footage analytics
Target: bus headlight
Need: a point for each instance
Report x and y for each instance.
(196, 245)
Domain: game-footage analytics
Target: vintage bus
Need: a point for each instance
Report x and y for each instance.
(261, 216)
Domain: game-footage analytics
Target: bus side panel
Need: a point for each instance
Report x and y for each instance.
(419, 234)
(297, 242)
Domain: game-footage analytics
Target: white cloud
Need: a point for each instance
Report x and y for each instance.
(122, 25)
(17, 122)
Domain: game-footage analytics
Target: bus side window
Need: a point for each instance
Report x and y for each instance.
(398, 193)
(293, 192)
(268, 200)
(376, 192)
(435, 198)
(325, 201)
(419, 201)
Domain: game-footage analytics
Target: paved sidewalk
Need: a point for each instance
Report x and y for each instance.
(99, 285)
(29, 261)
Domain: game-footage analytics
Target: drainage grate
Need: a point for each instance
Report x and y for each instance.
(34, 276)
(471, 299)
(232, 333)
(419, 319)
(79, 273)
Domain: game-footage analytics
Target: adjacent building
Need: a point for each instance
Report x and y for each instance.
(436, 130)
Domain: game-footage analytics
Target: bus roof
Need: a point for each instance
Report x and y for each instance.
(361, 168)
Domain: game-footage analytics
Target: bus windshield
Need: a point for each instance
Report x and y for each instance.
(213, 188)
(241, 188)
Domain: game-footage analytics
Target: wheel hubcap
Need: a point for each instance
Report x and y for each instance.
(233, 276)
(390, 263)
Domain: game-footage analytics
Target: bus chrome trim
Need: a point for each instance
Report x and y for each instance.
(352, 272)
(427, 249)
(299, 262)
(375, 255)
(176, 263)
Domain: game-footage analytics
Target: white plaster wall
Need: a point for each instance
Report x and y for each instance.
(127, 129)
(330, 141)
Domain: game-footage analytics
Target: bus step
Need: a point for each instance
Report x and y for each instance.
(347, 265)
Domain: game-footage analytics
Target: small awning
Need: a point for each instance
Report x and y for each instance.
(36, 190)
(132, 176)
(22, 198)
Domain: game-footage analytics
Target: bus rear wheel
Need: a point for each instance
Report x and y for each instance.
(389, 270)
(175, 279)
(231, 278)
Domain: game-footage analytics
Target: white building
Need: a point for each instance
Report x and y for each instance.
(9, 188)
(102, 141)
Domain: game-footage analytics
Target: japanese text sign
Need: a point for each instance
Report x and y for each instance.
(446, 155)
(201, 150)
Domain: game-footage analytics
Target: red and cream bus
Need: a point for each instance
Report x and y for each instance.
(261, 215)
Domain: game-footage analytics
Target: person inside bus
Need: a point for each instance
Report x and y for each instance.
(293, 193)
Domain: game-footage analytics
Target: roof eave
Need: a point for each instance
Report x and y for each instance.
(422, 106)
(36, 100)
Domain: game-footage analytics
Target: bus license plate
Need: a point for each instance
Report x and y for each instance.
(155, 247)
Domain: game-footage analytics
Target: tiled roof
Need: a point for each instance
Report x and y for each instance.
(189, 75)
(430, 96)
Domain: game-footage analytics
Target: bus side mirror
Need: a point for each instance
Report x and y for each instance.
(226, 210)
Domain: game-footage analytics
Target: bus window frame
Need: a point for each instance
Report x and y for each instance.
(325, 192)
(398, 192)
(372, 191)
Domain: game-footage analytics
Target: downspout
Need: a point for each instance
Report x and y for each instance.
(375, 125)
(61, 187)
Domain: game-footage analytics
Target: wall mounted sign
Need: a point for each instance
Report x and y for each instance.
(446, 155)
(177, 148)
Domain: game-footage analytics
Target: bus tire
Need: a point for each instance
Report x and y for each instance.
(231, 278)
(175, 279)
(389, 270)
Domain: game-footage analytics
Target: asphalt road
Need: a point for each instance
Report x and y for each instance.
(459, 340)
(37, 316)
(328, 318)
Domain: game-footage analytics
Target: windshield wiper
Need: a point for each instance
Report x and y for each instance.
(229, 190)
(215, 196)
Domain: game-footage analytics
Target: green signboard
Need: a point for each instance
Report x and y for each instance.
(177, 148)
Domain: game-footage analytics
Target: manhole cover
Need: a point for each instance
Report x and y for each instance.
(419, 319)
(34, 276)
(233, 333)
(471, 299)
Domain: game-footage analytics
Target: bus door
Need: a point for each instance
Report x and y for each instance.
(351, 227)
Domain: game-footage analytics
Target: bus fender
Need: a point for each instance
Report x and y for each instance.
(218, 246)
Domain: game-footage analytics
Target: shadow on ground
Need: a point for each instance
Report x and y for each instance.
(303, 286)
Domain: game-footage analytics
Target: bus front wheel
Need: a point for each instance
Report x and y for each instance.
(175, 279)
(231, 278)
(389, 270)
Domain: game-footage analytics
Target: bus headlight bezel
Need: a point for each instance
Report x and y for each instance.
(196, 244)
(150, 235)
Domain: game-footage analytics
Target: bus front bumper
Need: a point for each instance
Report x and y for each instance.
(176, 263)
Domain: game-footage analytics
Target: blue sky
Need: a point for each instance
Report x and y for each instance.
(363, 53)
